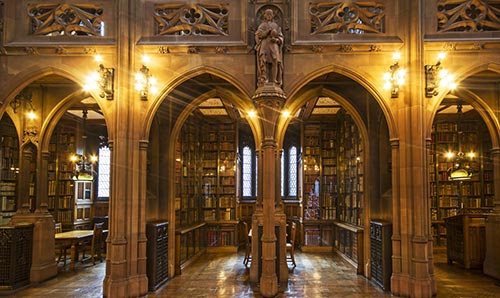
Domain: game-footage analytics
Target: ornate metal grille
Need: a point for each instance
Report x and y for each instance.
(347, 17)
(191, 19)
(66, 19)
(468, 16)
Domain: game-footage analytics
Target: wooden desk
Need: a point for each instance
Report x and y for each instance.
(73, 237)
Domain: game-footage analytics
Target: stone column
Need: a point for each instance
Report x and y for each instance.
(269, 99)
(43, 265)
(491, 265)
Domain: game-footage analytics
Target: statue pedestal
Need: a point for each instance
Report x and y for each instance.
(269, 91)
(491, 265)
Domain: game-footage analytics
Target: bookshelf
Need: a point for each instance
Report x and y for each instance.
(205, 176)
(60, 186)
(451, 198)
(9, 163)
(333, 189)
(350, 173)
(312, 174)
(348, 230)
(219, 185)
(187, 169)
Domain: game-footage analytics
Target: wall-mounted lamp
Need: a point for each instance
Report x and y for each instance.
(395, 77)
(436, 76)
(84, 164)
(103, 79)
(461, 162)
(25, 98)
(145, 83)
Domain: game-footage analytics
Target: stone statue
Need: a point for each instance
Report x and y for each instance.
(269, 44)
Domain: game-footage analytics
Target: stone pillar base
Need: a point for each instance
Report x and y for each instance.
(43, 264)
(491, 265)
(280, 220)
(405, 286)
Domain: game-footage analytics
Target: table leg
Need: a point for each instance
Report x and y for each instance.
(73, 256)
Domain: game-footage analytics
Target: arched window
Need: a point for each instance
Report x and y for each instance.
(292, 172)
(289, 172)
(104, 170)
(247, 172)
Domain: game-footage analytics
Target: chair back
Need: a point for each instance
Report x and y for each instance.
(97, 237)
(58, 227)
(246, 231)
(293, 232)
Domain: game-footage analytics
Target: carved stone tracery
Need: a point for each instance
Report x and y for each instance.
(66, 19)
(347, 17)
(191, 19)
(468, 16)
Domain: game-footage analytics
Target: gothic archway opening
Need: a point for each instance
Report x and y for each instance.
(462, 174)
(340, 186)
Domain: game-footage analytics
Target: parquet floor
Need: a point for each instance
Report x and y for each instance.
(317, 275)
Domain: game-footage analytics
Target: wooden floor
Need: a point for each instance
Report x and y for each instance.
(223, 275)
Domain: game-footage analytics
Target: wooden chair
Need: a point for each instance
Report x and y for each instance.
(290, 246)
(61, 248)
(95, 246)
(248, 244)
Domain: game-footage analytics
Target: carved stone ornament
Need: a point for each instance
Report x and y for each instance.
(30, 135)
(347, 17)
(468, 16)
(191, 19)
(66, 19)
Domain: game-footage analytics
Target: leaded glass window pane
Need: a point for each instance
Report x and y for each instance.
(282, 175)
(292, 172)
(247, 171)
(104, 172)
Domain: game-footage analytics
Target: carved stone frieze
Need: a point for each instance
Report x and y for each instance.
(191, 19)
(346, 48)
(317, 49)
(347, 17)
(221, 50)
(193, 50)
(66, 19)
(468, 16)
(60, 50)
(163, 50)
(31, 51)
(90, 51)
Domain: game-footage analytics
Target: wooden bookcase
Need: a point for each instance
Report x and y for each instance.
(206, 183)
(350, 173)
(9, 164)
(219, 185)
(450, 198)
(333, 190)
(61, 191)
(188, 211)
(319, 183)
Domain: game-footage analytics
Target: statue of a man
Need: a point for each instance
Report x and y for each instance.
(269, 43)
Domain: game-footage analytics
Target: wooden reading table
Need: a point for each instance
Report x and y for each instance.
(73, 237)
